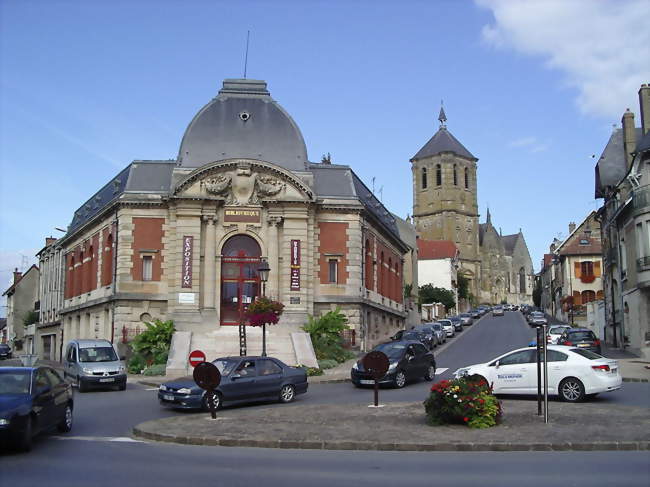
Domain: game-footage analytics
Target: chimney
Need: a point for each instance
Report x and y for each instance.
(552, 247)
(17, 275)
(644, 103)
(629, 136)
(49, 241)
(572, 227)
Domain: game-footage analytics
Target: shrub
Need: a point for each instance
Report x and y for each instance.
(467, 400)
(136, 364)
(327, 363)
(156, 369)
(152, 345)
(312, 371)
(325, 332)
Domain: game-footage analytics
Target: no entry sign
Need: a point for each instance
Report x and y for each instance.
(196, 357)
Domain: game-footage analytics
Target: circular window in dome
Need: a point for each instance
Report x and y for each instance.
(244, 115)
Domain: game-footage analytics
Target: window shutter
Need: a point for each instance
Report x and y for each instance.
(597, 269)
(577, 270)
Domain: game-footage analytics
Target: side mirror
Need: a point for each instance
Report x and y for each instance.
(496, 364)
(122, 358)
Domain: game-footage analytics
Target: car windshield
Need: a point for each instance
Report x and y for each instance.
(97, 354)
(581, 335)
(445, 322)
(225, 366)
(392, 350)
(15, 381)
(556, 330)
(437, 326)
(586, 353)
(425, 329)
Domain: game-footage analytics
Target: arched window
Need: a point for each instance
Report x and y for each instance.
(522, 281)
(369, 267)
(398, 284)
(79, 277)
(466, 178)
(391, 280)
(424, 178)
(381, 276)
(71, 284)
(107, 262)
(438, 175)
(240, 281)
(588, 296)
(455, 175)
(89, 270)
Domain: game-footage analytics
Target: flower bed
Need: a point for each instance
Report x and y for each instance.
(468, 400)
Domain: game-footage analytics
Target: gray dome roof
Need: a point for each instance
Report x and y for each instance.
(243, 121)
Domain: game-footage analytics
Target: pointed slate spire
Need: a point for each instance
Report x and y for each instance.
(442, 117)
(489, 217)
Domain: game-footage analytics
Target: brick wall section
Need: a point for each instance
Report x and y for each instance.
(147, 235)
(333, 240)
(389, 280)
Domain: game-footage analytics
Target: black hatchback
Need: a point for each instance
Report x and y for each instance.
(415, 334)
(408, 360)
(582, 338)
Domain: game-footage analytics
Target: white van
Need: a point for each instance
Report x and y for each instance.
(93, 363)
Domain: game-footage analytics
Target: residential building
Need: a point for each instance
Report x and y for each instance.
(438, 262)
(622, 177)
(49, 334)
(22, 302)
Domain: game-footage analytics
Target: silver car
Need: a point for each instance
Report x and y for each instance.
(439, 332)
(466, 319)
(93, 363)
(449, 327)
(537, 319)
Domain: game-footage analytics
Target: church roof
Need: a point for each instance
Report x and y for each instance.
(243, 121)
(509, 242)
(436, 249)
(443, 141)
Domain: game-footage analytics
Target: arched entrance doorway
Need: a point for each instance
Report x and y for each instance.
(240, 280)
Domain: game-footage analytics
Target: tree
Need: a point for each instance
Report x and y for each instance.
(463, 287)
(537, 293)
(430, 294)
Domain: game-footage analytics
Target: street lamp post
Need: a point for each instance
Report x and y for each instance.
(263, 271)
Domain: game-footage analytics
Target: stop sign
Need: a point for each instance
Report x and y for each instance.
(196, 357)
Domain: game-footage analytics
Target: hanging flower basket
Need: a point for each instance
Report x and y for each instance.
(264, 311)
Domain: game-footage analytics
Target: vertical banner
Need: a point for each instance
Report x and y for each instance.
(295, 265)
(186, 269)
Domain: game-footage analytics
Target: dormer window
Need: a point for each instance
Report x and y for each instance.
(584, 241)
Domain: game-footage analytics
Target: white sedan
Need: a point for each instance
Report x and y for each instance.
(573, 373)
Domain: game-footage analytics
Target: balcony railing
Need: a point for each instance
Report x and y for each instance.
(641, 197)
(643, 264)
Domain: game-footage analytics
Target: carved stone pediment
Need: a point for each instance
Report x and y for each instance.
(242, 183)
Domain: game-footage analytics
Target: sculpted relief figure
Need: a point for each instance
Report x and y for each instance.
(266, 187)
(219, 186)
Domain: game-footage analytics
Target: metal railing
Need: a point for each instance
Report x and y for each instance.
(641, 197)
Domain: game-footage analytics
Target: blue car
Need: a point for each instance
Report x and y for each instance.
(243, 379)
(32, 400)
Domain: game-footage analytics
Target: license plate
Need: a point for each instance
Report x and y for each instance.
(167, 397)
(614, 370)
(583, 345)
(367, 381)
(110, 379)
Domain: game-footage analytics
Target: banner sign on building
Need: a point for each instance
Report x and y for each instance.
(186, 271)
(244, 215)
(295, 265)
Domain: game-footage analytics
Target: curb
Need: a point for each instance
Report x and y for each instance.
(379, 446)
(633, 379)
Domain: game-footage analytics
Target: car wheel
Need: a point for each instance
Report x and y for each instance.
(205, 402)
(400, 379)
(572, 390)
(431, 372)
(81, 386)
(66, 423)
(24, 440)
(287, 393)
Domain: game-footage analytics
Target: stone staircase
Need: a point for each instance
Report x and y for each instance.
(286, 342)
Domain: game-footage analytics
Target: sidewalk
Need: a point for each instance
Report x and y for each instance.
(403, 427)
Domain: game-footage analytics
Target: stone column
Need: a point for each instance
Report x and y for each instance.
(273, 251)
(209, 262)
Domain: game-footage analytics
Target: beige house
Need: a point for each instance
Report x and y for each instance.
(183, 240)
(22, 299)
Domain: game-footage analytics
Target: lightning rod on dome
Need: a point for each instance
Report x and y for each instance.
(442, 118)
(248, 33)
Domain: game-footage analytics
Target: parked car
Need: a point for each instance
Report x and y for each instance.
(497, 311)
(476, 313)
(5, 351)
(93, 363)
(243, 379)
(413, 334)
(407, 359)
(458, 325)
(439, 331)
(537, 318)
(582, 338)
(573, 373)
(554, 332)
(449, 328)
(466, 319)
(32, 400)
(432, 337)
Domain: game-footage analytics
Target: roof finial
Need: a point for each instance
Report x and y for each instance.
(489, 217)
(442, 117)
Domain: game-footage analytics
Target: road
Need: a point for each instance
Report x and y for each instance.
(99, 450)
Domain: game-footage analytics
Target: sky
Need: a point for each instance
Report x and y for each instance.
(532, 88)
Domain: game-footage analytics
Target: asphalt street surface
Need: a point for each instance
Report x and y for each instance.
(99, 451)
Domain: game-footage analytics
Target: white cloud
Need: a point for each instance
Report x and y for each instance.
(529, 143)
(602, 46)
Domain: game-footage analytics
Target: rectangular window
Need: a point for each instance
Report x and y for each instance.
(147, 268)
(623, 251)
(587, 268)
(333, 267)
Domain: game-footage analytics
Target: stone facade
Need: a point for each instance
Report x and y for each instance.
(48, 344)
(22, 298)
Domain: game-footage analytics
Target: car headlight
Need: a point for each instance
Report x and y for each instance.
(461, 372)
(87, 371)
(392, 366)
(162, 387)
(184, 390)
(355, 366)
(4, 422)
(122, 368)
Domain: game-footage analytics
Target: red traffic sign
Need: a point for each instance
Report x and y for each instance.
(196, 357)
